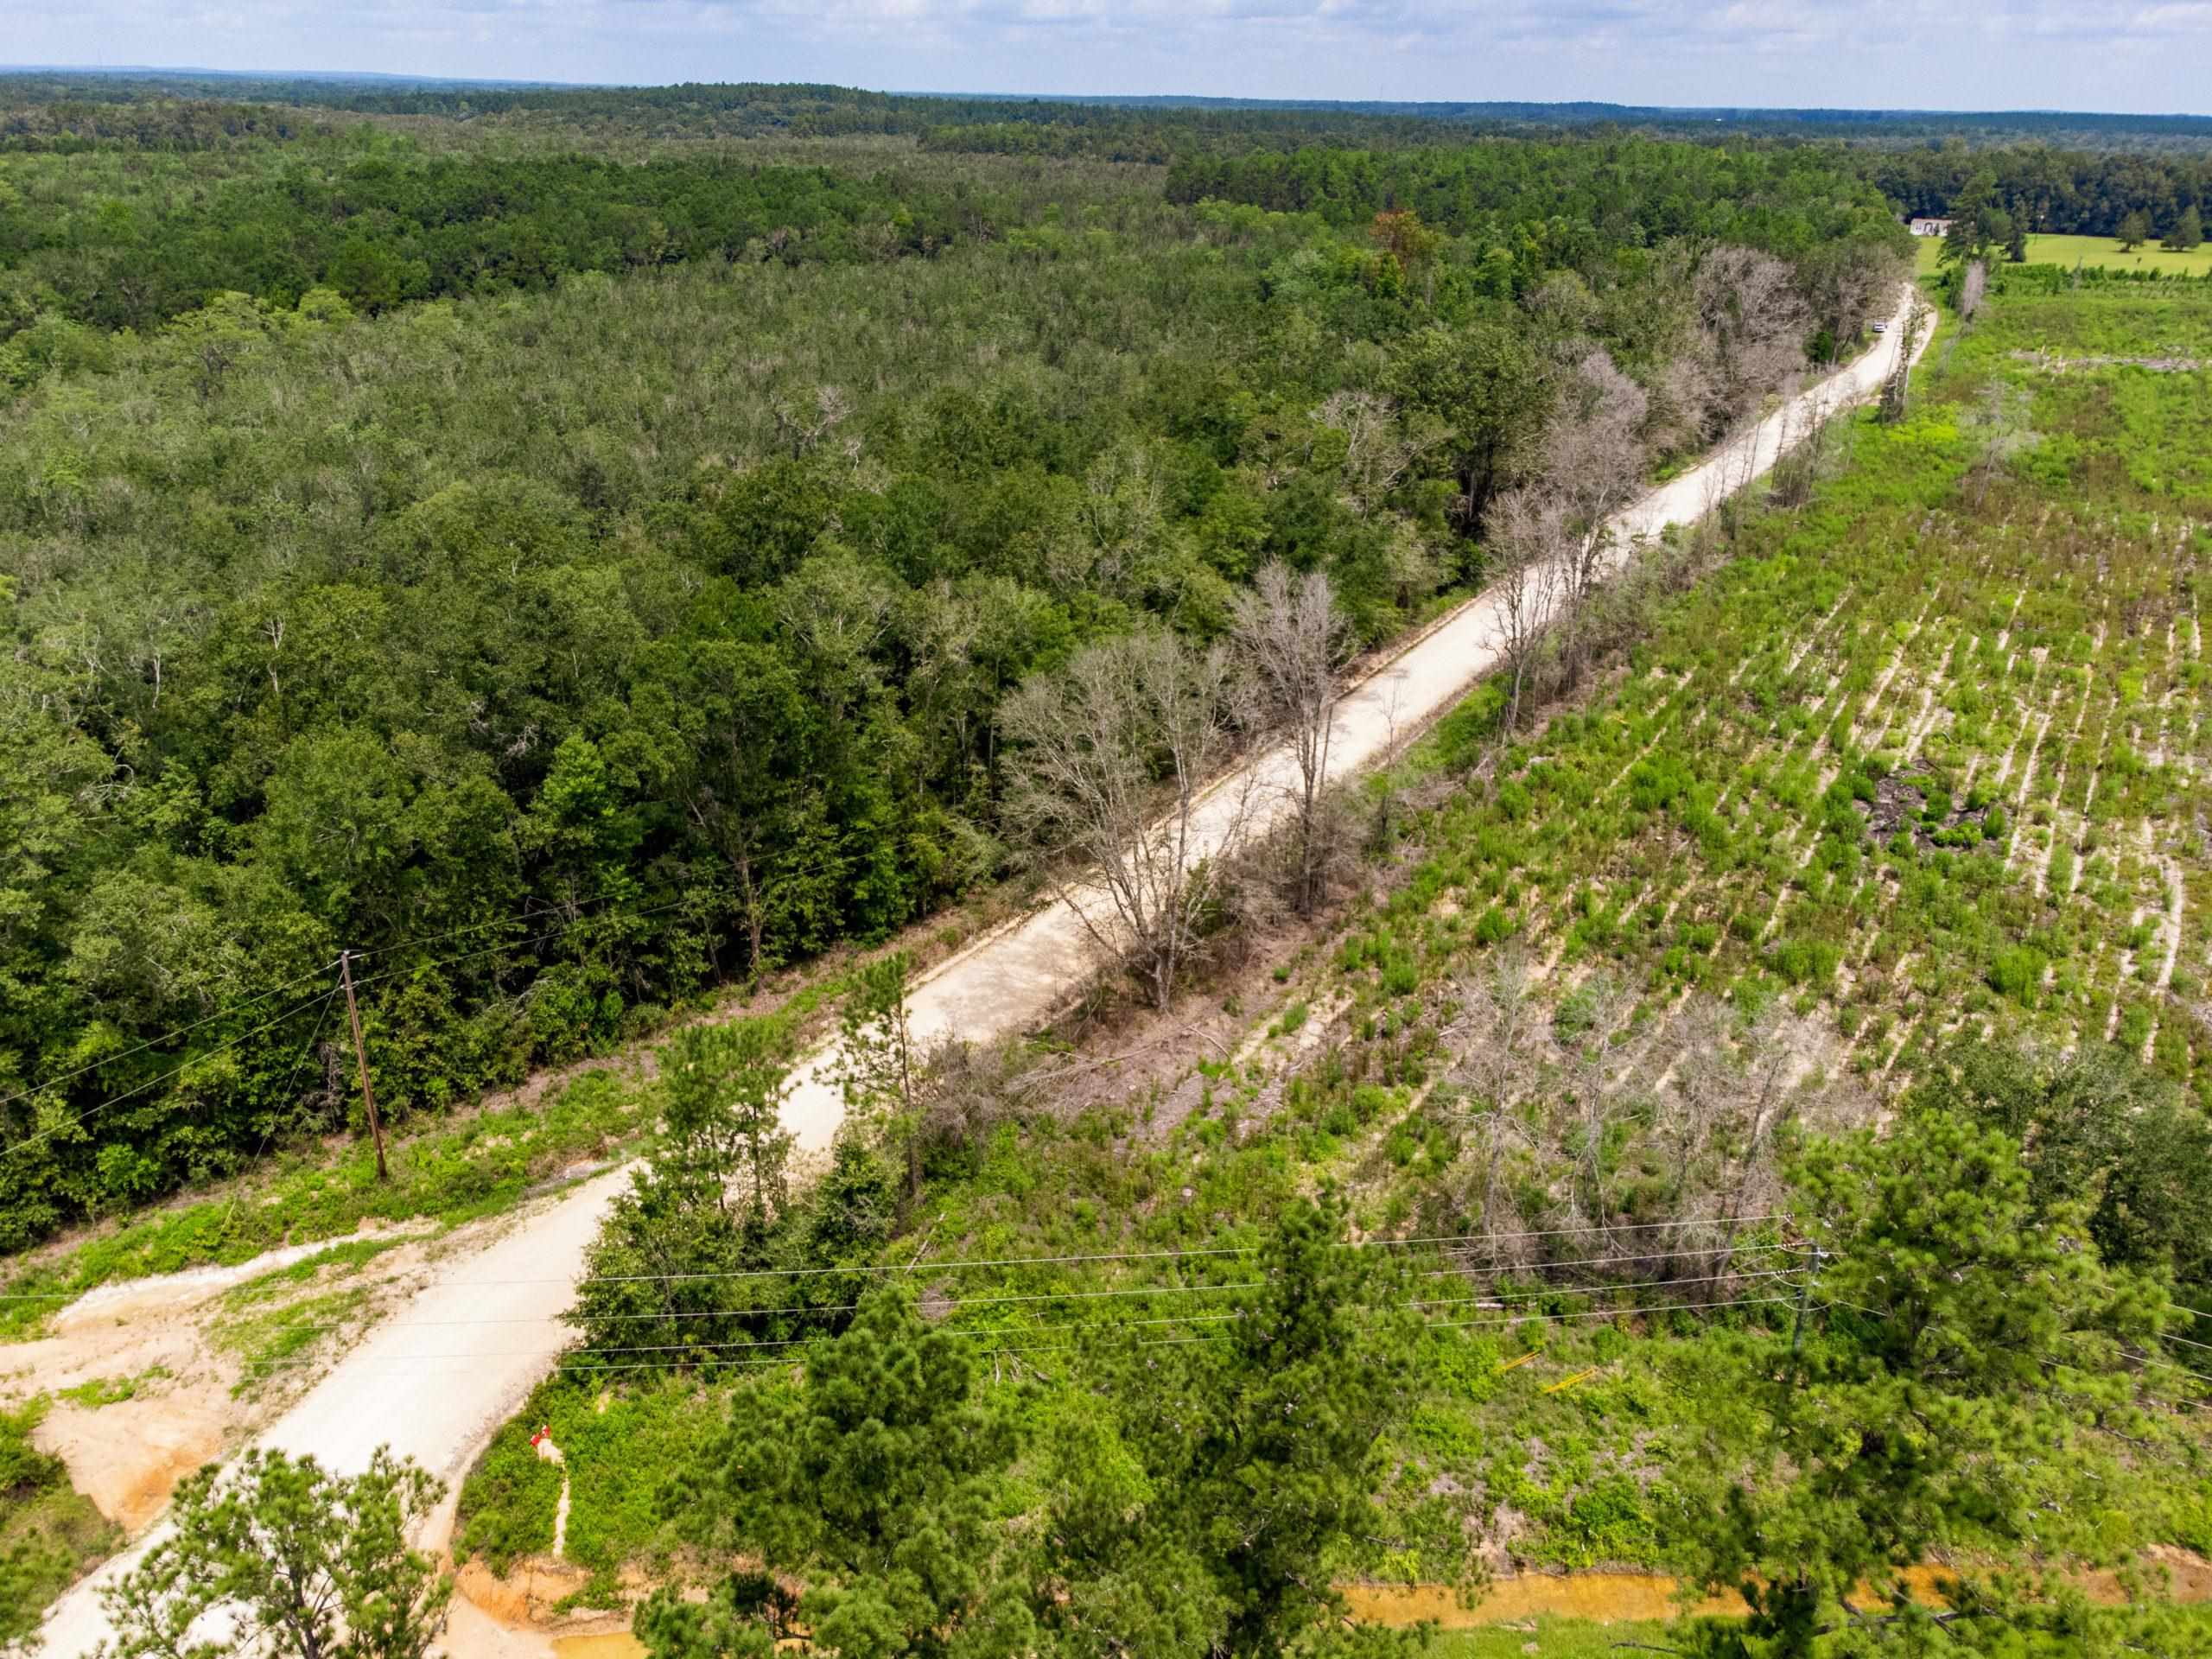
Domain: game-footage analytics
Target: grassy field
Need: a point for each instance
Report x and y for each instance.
(2069, 250)
(1923, 759)
(1925, 755)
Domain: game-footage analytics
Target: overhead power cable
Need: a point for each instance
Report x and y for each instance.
(1505, 1299)
(1442, 1240)
(182, 1066)
(166, 1036)
(945, 1309)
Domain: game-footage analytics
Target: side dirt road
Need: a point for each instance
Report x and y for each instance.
(435, 1380)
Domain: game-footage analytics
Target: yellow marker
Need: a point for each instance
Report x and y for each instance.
(1576, 1378)
(1523, 1360)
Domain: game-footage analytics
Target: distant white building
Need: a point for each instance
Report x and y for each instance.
(1931, 227)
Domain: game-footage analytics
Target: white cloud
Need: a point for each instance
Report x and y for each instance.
(2004, 53)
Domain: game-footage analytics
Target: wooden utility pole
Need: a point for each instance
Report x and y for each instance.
(361, 1055)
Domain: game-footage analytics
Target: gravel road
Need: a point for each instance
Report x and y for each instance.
(436, 1381)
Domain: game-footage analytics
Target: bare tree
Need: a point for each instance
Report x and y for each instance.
(1894, 388)
(1753, 323)
(1973, 283)
(1379, 447)
(1593, 465)
(1499, 1036)
(2001, 420)
(1108, 788)
(1528, 543)
(1294, 638)
(1801, 460)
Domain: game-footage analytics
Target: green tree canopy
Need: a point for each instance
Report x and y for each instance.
(279, 1551)
(1973, 1339)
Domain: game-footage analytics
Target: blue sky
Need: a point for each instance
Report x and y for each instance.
(2155, 56)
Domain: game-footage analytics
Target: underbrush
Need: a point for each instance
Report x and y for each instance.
(49, 1532)
(446, 1175)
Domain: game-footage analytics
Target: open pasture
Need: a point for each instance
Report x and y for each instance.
(2093, 251)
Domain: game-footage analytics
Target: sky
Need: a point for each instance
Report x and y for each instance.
(2153, 56)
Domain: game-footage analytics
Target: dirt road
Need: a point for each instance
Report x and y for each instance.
(434, 1382)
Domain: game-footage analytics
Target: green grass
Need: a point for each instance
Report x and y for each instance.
(112, 1390)
(448, 1175)
(49, 1532)
(269, 1341)
(2088, 251)
(339, 1261)
(270, 1327)
(2020, 662)
(619, 1446)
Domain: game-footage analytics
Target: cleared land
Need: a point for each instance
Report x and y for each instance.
(2092, 252)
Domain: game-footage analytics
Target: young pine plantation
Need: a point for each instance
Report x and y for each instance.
(1748, 1121)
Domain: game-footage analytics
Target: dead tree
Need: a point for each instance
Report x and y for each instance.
(1973, 283)
(1108, 789)
(1802, 458)
(1528, 541)
(1379, 447)
(1752, 324)
(1593, 464)
(2001, 420)
(1894, 388)
(1294, 639)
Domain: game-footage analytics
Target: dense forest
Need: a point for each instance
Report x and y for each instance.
(2068, 193)
(1121, 127)
(383, 224)
(623, 567)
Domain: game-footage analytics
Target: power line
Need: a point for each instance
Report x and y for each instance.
(236, 1008)
(524, 921)
(1615, 1312)
(1508, 1296)
(945, 1309)
(793, 1341)
(944, 1263)
(1499, 1298)
(394, 972)
(2071, 1336)
(183, 1066)
(583, 1366)
(1445, 1241)
(166, 1036)
(290, 1081)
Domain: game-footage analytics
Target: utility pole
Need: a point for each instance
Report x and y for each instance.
(1804, 1290)
(361, 1056)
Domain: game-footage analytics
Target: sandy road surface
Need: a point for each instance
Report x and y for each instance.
(434, 1382)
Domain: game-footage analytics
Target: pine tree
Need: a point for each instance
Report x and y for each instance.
(313, 1565)
(1969, 1338)
(879, 1067)
(877, 1482)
